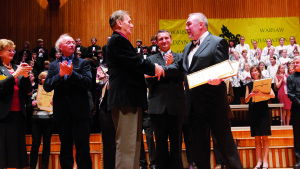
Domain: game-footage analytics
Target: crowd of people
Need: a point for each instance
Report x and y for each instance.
(125, 89)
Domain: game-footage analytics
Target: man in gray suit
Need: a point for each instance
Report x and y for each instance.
(207, 104)
(166, 106)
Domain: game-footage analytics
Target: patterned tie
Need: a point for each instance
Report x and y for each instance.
(164, 57)
(67, 60)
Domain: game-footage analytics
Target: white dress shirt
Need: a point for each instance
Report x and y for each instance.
(193, 51)
(290, 50)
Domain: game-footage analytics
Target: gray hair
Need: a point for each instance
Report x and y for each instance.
(117, 15)
(59, 40)
(200, 17)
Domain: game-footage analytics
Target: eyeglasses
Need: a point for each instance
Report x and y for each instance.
(70, 42)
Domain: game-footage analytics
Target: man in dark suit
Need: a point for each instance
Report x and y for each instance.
(166, 107)
(70, 78)
(42, 54)
(26, 45)
(207, 104)
(127, 90)
(138, 48)
(144, 53)
(93, 48)
(80, 48)
(153, 49)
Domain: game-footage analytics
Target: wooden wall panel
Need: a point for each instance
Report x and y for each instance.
(33, 19)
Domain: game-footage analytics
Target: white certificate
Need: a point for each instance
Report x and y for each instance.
(235, 66)
(44, 99)
(201, 77)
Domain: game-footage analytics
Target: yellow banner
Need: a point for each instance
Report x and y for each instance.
(259, 29)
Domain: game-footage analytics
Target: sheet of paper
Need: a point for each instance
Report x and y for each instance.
(201, 77)
(235, 66)
(44, 99)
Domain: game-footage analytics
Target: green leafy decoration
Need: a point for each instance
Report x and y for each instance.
(226, 34)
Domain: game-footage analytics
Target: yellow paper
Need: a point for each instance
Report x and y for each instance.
(2, 77)
(264, 85)
(44, 99)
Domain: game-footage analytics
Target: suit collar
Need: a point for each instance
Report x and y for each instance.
(4, 70)
(202, 46)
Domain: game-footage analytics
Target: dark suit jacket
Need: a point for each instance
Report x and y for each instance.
(20, 54)
(205, 98)
(7, 91)
(168, 93)
(52, 52)
(90, 49)
(83, 51)
(150, 49)
(71, 94)
(127, 86)
(136, 50)
(104, 53)
(45, 55)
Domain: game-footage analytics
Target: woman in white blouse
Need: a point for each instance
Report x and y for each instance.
(278, 49)
(231, 48)
(265, 51)
(292, 47)
(264, 72)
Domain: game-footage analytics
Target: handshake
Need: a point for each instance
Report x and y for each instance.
(159, 71)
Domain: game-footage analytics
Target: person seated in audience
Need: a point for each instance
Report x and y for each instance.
(264, 72)
(266, 50)
(242, 46)
(32, 81)
(100, 57)
(231, 48)
(93, 48)
(41, 125)
(138, 48)
(25, 49)
(291, 70)
(245, 78)
(284, 59)
(272, 69)
(256, 58)
(280, 82)
(78, 54)
(259, 118)
(34, 71)
(266, 59)
(153, 49)
(46, 65)
(278, 49)
(57, 56)
(292, 47)
(23, 59)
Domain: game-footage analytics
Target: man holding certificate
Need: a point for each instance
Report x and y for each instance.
(207, 104)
